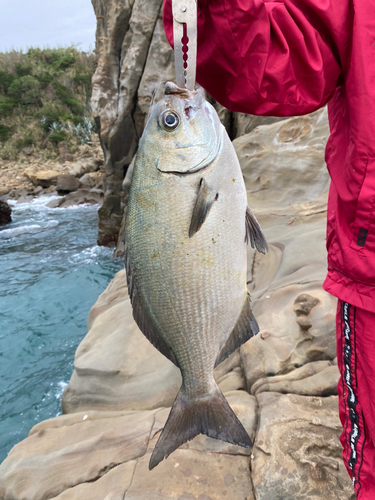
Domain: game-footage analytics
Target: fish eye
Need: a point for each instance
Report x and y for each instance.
(170, 120)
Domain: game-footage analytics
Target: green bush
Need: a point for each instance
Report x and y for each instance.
(5, 133)
(7, 106)
(74, 105)
(23, 69)
(6, 80)
(25, 142)
(44, 96)
(25, 90)
(45, 78)
(64, 61)
(57, 136)
(52, 113)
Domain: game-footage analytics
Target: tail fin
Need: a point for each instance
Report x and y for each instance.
(211, 416)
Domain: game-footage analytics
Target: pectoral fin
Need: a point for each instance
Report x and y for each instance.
(245, 328)
(206, 197)
(140, 316)
(254, 233)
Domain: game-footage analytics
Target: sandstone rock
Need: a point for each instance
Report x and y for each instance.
(112, 486)
(283, 163)
(123, 36)
(318, 378)
(297, 453)
(193, 475)
(79, 197)
(71, 450)
(5, 213)
(86, 181)
(159, 69)
(84, 166)
(67, 184)
(244, 124)
(43, 178)
(95, 455)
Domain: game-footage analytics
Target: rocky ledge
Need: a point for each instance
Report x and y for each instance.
(281, 384)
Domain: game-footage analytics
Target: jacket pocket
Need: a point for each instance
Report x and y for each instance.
(364, 225)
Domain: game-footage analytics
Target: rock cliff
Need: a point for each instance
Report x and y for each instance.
(281, 384)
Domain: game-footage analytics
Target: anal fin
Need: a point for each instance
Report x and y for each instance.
(246, 327)
(254, 233)
(206, 197)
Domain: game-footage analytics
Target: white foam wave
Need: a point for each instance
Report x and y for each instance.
(89, 255)
(17, 231)
(60, 389)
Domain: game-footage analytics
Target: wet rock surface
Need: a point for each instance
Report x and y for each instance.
(281, 384)
(5, 213)
(79, 197)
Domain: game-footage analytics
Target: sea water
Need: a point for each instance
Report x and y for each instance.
(51, 273)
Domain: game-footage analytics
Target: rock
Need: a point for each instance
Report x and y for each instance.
(79, 197)
(244, 124)
(120, 245)
(297, 453)
(129, 27)
(5, 213)
(283, 163)
(80, 449)
(67, 184)
(151, 89)
(105, 455)
(318, 378)
(28, 151)
(64, 152)
(43, 178)
(38, 190)
(86, 181)
(84, 166)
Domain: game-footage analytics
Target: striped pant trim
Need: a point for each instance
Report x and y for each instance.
(354, 424)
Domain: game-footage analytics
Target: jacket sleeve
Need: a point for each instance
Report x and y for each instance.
(276, 58)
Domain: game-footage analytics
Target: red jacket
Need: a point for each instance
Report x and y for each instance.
(291, 57)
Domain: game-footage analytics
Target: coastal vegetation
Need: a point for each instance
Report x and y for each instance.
(45, 100)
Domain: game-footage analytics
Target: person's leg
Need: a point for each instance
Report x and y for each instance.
(355, 331)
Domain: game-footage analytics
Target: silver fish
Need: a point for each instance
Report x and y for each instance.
(185, 252)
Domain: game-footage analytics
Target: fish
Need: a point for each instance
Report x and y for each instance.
(186, 230)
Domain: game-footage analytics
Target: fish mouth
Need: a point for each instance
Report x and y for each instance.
(203, 144)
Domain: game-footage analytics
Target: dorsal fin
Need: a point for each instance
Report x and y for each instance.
(254, 233)
(246, 327)
(140, 316)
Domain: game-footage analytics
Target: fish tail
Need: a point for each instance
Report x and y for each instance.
(210, 415)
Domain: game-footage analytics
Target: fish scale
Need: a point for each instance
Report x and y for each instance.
(187, 219)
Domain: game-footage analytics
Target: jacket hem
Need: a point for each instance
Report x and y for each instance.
(354, 293)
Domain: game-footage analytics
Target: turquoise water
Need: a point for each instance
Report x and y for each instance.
(51, 273)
